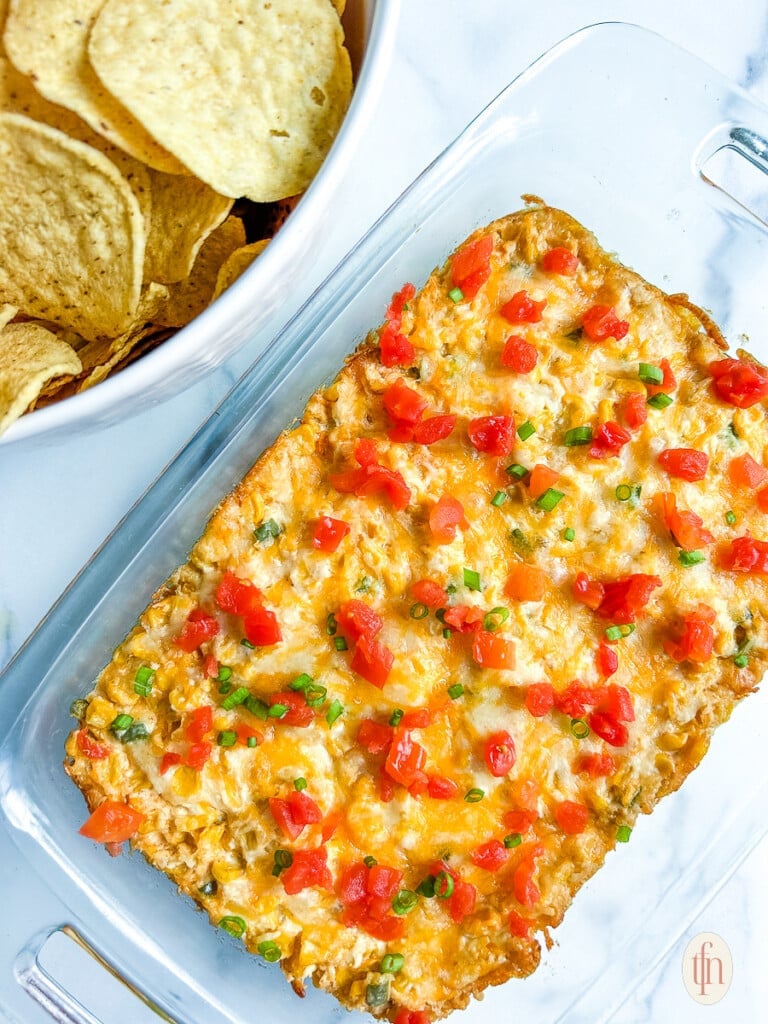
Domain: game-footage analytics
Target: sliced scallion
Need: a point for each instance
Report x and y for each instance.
(499, 498)
(579, 728)
(300, 784)
(331, 625)
(455, 294)
(335, 711)
(278, 710)
(251, 742)
(731, 518)
(257, 707)
(495, 619)
(623, 833)
(614, 633)
(474, 795)
(455, 691)
(301, 683)
(517, 471)
(144, 680)
(578, 435)
(233, 924)
(266, 530)
(396, 717)
(689, 558)
(443, 885)
(650, 374)
(472, 580)
(224, 674)
(315, 695)
(340, 643)
(569, 534)
(660, 401)
(512, 840)
(419, 611)
(623, 492)
(226, 738)
(370, 862)
(549, 499)
(283, 860)
(405, 901)
(245, 642)
(426, 887)
(392, 963)
(526, 430)
(270, 951)
(238, 696)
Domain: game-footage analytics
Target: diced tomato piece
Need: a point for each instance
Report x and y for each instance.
(419, 718)
(88, 746)
(596, 765)
(440, 788)
(353, 886)
(304, 809)
(199, 627)
(617, 702)
(169, 760)
(685, 463)
(389, 481)
(525, 889)
(329, 533)
(519, 355)
(521, 309)
(541, 479)
(490, 650)
(261, 628)
(236, 596)
(420, 785)
(587, 591)
(430, 593)
(499, 753)
(575, 699)
(526, 793)
(405, 758)
(210, 666)
(746, 554)
(560, 261)
(283, 815)
(112, 822)
(372, 660)
(626, 598)
(375, 737)
(686, 527)
(634, 410)
(399, 299)
(492, 435)
(366, 452)
(744, 471)
(526, 582)
(386, 788)
(200, 723)
(539, 699)
(738, 382)
(309, 868)
(395, 348)
(608, 729)
(491, 855)
(520, 926)
(348, 481)
(668, 382)
(463, 618)
(520, 821)
(607, 660)
(433, 429)
(403, 404)
(571, 817)
(299, 712)
(198, 754)
(356, 618)
(412, 1017)
(600, 322)
(384, 881)
(697, 640)
(462, 901)
(388, 929)
(608, 440)
(471, 266)
(762, 499)
(445, 517)
(245, 732)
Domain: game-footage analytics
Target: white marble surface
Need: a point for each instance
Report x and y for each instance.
(58, 501)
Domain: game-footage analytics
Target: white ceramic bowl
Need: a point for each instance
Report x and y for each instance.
(263, 291)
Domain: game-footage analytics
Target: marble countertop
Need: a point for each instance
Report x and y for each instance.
(59, 501)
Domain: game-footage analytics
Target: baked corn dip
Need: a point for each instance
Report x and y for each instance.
(453, 632)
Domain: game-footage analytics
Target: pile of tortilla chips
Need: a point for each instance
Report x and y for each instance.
(128, 128)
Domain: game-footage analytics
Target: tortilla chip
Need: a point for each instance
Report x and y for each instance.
(236, 264)
(71, 231)
(190, 297)
(258, 124)
(47, 40)
(29, 356)
(7, 313)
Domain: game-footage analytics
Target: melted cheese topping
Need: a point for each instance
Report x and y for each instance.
(215, 825)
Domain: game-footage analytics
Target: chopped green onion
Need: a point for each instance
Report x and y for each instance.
(455, 294)
(520, 539)
(340, 643)
(446, 634)
(426, 887)
(300, 784)
(269, 528)
(474, 796)
(419, 611)
(623, 492)
(257, 707)
(440, 614)
(689, 558)
(549, 499)
(277, 710)
(224, 674)
(451, 588)
(251, 742)
(315, 695)
(224, 688)
(121, 722)
(614, 633)
(455, 691)
(578, 435)
(660, 401)
(650, 374)
(499, 498)
(331, 625)
(730, 518)
(377, 993)
(512, 840)
(623, 833)
(245, 642)
(209, 888)
(741, 661)
(472, 579)
(143, 681)
(336, 710)
(517, 471)
(569, 534)
(270, 951)
(526, 430)
(396, 717)
(494, 619)
(78, 708)
(363, 585)
(226, 738)
(302, 682)
(392, 963)
(405, 901)
(233, 924)
(142, 689)
(579, 728)
(283, 860)
(370, 862)
(238, 696)
(443, 885)
(137, 731)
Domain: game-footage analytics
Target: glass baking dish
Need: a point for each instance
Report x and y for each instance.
(620, 128)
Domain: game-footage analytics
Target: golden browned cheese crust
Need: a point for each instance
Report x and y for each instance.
(215, 824)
